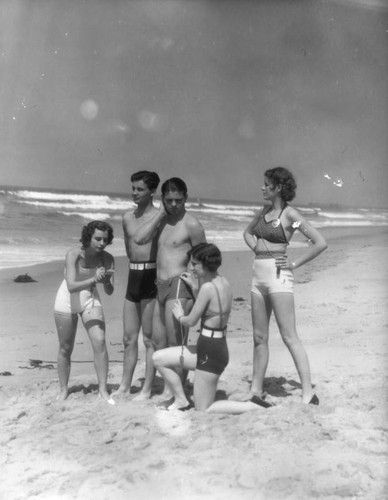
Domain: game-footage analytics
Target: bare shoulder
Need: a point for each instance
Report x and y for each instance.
(128, 216)
(191, 221)
(206, 290)
(292, 214)
(73, 254)
(259, 213)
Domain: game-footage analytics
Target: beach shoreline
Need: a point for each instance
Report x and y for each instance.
(83, 449)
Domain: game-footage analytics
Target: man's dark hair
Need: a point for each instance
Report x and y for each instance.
(150, 179)
(174, 184)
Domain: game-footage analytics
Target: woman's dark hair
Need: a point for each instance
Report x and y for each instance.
(174, 184)
(150, 179)
(280, 176)
(88, 231)
(208, 254)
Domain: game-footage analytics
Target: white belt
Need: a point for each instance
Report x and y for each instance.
(140, 266)
(215, 334)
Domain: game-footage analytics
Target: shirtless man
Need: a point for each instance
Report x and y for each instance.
(141, 290)
(177, 231)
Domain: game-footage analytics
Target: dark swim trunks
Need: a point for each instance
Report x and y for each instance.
(212, 354)
(141, 285)
(167, 290)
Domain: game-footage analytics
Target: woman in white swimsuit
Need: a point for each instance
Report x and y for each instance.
(85, 267)
(272, 288)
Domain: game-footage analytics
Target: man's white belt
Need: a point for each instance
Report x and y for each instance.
(140, 266)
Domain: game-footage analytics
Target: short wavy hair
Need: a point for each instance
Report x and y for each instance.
(88, 231)
(150, 179)
(207, 254)
(280, 176)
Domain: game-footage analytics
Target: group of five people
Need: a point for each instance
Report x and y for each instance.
(173, 284)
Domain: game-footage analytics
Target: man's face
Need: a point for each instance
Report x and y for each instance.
(141, 194)
(174, 202)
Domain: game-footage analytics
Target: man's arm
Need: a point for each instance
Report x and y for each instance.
(196, 232)
(125, 223)
(148, 230)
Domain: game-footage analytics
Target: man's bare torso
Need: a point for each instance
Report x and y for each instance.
(173, 244)
(135, 252)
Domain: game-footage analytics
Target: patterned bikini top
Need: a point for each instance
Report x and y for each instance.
(272, 230)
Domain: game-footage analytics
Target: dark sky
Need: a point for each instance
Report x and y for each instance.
(213, 91)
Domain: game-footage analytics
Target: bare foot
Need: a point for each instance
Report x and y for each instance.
(108, 399)
(62, 396)
(122, 391)
(165, 403)
(311, 399)
(181, 405)
(166, 394)
(261, 395)
(142, 396)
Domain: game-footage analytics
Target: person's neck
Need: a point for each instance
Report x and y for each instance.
(278, 204)
(208, 278)
(144, 208)
(173, 218)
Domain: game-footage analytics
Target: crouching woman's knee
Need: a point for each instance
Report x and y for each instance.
(157, 359)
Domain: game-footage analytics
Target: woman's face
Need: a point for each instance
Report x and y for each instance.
(196, 268)
(268, 189)
(99, 240)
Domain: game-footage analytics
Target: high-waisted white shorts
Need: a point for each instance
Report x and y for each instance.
(77, 302)
(266, 279)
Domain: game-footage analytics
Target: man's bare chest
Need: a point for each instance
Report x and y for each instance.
(174, 236)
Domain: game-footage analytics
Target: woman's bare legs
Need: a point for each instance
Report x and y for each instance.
(261, 312)
(95, 326)
(168, 361)
(66, 329)
(284, 310)
(205, 388)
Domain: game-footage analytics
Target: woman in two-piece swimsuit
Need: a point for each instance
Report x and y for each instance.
(85, 267)
(210, 356)
(272, 287)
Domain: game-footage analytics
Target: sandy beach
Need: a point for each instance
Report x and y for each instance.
(85, 449)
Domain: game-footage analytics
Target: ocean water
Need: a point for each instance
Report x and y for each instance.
(40, 226)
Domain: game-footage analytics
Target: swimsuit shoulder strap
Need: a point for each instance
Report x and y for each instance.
(219, 304)
(285, 206)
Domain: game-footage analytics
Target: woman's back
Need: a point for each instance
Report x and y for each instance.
(218, 311)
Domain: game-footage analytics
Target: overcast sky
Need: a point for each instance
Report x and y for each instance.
(212, 91)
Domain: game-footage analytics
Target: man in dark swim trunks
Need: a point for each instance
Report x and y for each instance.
(177, 231)
(141, 292)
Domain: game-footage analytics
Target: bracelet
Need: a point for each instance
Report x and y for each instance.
(293, 265)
